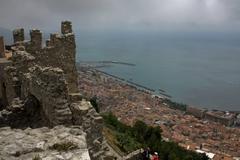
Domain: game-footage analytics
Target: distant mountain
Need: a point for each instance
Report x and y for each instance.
(7, 34)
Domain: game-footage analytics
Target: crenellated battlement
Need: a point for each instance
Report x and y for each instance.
(36, 39)
(44, 80)
(60, 50)
(49, 73)
(54, 40)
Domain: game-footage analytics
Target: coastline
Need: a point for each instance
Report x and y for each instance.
(129, 104)
(227, 118)
(161, 93)
(93, 65)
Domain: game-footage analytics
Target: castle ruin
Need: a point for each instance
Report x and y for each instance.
(44, 79)
(2, 47)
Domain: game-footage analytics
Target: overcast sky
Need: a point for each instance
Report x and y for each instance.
(122, 14)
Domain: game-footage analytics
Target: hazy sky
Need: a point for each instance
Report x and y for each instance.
(122, 14)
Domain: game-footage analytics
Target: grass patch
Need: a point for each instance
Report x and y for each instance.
(64, 146)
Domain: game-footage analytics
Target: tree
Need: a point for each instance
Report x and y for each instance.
(139, 130)
(153, 137)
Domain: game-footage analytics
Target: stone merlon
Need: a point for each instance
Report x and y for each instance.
(18, 35)
(66, 27)
(36, 39)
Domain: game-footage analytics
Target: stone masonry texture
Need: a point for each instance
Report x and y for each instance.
(45, 79)
(2, 47)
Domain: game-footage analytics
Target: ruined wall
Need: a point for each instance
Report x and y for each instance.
(85, 115)
(10, 81)
(3, 85)
(34, 46)
(60, 51)
(49, 75)
(2, 47)
(49, 86)
(23, 78)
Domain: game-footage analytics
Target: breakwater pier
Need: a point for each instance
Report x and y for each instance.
(134, 84)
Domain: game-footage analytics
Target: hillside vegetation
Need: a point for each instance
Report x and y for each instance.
(129, 138)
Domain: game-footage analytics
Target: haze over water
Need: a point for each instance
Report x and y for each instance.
(200, 69)
(197, 68)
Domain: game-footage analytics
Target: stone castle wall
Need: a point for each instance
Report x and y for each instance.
(49, 86)
(49, 75)
(3, 89)
(2, 47)
(59, 52)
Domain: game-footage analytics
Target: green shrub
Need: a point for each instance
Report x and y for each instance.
(126, 142)
(140, 135)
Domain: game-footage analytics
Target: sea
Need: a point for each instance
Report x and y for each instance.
(201, 69)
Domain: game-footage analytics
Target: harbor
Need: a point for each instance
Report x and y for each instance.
(88, 65)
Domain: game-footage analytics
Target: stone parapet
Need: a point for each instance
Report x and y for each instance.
(85, 115)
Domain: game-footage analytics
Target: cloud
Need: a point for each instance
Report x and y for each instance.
(122, 14)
